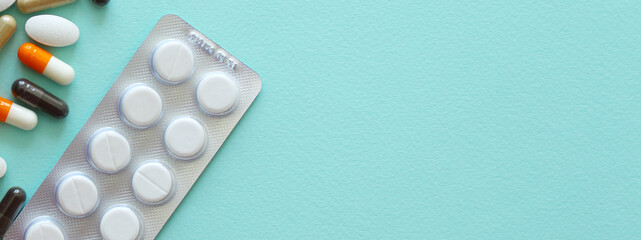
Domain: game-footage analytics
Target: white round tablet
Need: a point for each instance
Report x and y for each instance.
(108, 151)
(172, 62)
(217, 93)
(185, 138)
(45, 228)
(77, 195)
(3, 167)
(120, 222)
(140, 106)
(153, 182)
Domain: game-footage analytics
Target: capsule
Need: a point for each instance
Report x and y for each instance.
(101, 2)
(36, 97)
(29, 6)
(7, 27)
(17, 115)
(46, 64)
(10, 207)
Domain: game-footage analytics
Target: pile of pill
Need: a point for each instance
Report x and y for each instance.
(147, 142)
(48, 30)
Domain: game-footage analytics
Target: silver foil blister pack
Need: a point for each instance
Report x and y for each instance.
(167, 151)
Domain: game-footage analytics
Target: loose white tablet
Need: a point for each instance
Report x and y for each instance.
(3, 167)
(109, 151)
(52, 30)
(4, 4)
(172, 62)
(185, 138)
(153, 182)
(76, 195)
(140, 106)
(217, 93)
(120, 223)
(44, 228)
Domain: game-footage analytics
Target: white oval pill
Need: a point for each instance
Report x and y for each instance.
(185, 138)
(217, 93)
(120, 223)
(52, 30)
(172, 62)
(44, 228)
(3, 167)
(152, 182)
(4, 4)
(76, 195)
(108, 151)
(140, 106)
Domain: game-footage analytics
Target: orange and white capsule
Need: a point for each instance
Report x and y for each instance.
(46, 64)
(17, 115)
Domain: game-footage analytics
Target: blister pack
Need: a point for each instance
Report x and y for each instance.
(146, 143)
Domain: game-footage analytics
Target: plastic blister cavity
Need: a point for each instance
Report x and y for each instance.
(217, 93)
(140, 106)
(172, 62)
(77, 195)
(45, 228)
(200, 105)
(153, 182)
(121, 222)
(185, 138)
(108, 150)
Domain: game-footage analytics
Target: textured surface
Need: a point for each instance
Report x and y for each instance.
(445, 120)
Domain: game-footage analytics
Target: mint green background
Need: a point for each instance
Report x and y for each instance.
(381, 120)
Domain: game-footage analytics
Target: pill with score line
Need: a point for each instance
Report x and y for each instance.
(45, 228)
(77, 195)
(45, 63)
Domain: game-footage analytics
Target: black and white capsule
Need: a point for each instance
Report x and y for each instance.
(36, 97)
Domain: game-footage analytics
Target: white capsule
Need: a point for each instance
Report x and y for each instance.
(17, 115)
(52, 30)
(3, 167)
